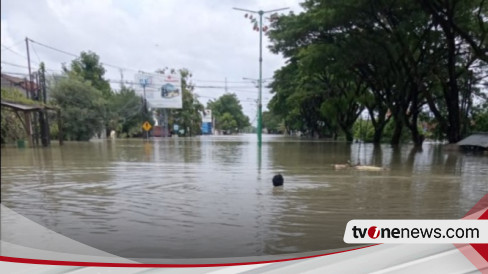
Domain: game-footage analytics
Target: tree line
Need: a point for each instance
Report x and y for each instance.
(90, 107)
(405, 63)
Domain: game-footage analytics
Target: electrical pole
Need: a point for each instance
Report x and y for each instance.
(29, 89)
(260, 105)
(144, 82)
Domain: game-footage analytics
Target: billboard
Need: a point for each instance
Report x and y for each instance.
(207, 116)
(161, 90)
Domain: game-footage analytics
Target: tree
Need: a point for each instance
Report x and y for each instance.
(227, 123)
(89, 68)
(463, 29)
(390, 58)
(189, 116)
(81, 107)
(480, 117)
(126, 113)
(225, 107)
(11, 127)
(272, 122)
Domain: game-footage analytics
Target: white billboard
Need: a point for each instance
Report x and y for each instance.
(207, 116)
(161, 90)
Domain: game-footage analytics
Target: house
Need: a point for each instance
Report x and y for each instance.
(476, 141)
(21, 84)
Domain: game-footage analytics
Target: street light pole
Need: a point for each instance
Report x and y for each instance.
(143, 82)
(260, 106)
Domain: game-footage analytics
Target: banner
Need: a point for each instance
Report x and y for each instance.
(160, 90)
(207, 116)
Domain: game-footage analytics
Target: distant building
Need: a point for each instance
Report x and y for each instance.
(207, 125)
(476, 141)
(20, 84)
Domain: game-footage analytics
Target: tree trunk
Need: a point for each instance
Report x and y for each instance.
(378, 133)
(397, 133)
(349, 136)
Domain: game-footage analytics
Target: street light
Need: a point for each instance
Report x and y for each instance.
(144, 82)
(260, 106)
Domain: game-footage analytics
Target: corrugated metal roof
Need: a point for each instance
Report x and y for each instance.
(477, 140)
(21, 106)
(16, 81)
(24, 107)
(13, 79)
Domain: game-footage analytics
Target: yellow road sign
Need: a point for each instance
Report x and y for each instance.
(146, 126)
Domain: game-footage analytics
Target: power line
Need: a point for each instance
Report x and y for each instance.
(22, 66)
(15, 52)
(52, 48)
(134, 83)
(220, 81)
(13, 45)
(77, 57)
(34, 49)
(14, 65)
(130, 69)
(223, 87)
(14, 73)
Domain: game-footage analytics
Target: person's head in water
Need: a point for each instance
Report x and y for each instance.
(278, 180)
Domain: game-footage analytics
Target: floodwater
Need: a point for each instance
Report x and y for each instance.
(212, 196)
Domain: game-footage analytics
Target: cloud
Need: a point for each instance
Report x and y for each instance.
(209, 38)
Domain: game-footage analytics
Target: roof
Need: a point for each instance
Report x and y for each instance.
(16, 81)
(13, 79)
(476, 139)
(24, 107)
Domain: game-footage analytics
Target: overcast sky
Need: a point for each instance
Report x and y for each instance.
(207, 37)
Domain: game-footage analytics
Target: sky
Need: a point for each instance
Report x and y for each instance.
(207, 37)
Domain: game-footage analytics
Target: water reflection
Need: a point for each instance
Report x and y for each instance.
(212, 196)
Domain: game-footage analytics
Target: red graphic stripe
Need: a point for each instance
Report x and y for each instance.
(482, 249)
(98, 264)
(480, 205)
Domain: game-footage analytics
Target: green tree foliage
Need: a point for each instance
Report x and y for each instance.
(89, 68)
(126, 113)
(189, 116)
(11, 125)
(272, 122)
(480, 118)
(390, 58)
(227, 122)
(81, 108)
(227, 112)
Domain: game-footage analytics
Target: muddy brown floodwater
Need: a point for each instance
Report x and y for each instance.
(212, 196)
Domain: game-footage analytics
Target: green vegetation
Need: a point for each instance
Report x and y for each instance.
(81, 108)
(272, 123)
(90, 107)
(126, 115)
(405, 63)
(188, 117)
(11, 126)
(228, 114)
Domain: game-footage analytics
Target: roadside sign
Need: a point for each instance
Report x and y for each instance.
(146, 126)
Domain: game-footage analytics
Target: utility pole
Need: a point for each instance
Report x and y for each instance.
(29, 89)
(260, 105)
(121, 78)
(144, 82)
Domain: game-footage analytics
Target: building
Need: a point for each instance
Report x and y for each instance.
(20, 84)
